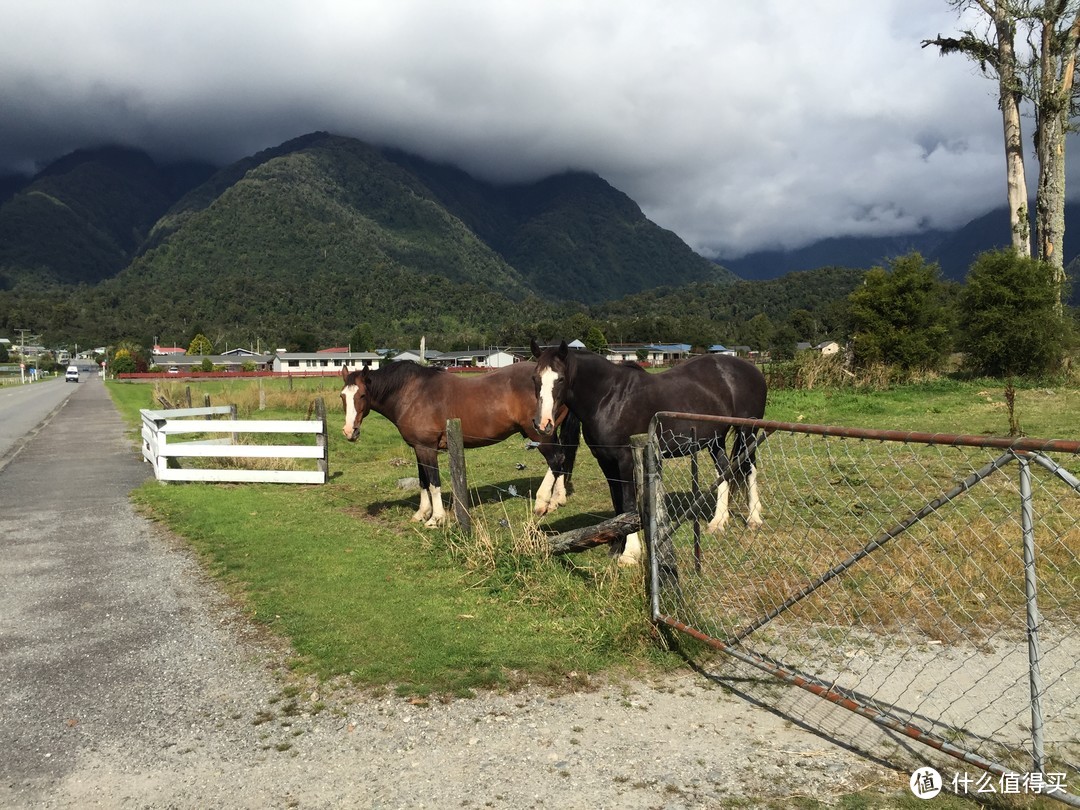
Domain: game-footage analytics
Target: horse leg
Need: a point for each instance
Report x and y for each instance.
(424, 512)
(749, 466)
(569, 440)
(621, 483)
(437, 516)
(544, 495)
(723, 489)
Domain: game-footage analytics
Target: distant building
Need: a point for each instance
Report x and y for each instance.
(322, 362)
(475, 358)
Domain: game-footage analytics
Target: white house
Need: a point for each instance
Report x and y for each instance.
(322, 362)
(476, 358)
(718, 348)
(657, 354)
(828, 347)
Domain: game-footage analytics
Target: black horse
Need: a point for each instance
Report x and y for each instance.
(614, 402)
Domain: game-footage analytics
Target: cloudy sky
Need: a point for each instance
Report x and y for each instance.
(739, 124)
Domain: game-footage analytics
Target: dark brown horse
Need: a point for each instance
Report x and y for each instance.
(615, 402)
(492, 407)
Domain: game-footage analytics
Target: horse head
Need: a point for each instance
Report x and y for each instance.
(550, 380)
(355, 401)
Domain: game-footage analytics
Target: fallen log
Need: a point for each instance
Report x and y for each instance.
(588, 537)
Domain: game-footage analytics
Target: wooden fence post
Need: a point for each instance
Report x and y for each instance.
(321, 439)
(455, 446)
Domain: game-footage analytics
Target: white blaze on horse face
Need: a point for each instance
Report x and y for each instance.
(350, 429)
(546, 406)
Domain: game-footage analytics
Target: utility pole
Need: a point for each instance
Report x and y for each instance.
(22, 353)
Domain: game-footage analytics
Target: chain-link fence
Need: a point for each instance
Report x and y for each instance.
(931, 584)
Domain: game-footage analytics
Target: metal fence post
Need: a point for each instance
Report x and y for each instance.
(1027, 524)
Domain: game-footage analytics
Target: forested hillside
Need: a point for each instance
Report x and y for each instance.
(83, 218)
(302, 243)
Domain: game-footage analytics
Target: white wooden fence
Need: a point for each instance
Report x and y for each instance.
(162, 429)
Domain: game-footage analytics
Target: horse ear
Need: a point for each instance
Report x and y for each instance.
(344, 372)
(535, 349)
(564, 350)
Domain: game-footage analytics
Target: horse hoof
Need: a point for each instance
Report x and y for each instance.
(433, 523)
(716, 527)
(628, 560)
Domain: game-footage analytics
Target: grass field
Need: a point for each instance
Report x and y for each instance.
(362, 593)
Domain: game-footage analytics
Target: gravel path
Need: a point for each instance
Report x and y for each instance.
(128, 680)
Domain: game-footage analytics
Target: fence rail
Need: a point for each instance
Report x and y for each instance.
(929, 583)
(161, 430)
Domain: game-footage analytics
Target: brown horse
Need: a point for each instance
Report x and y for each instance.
(492, 407)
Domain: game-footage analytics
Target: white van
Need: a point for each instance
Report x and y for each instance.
(72, 374)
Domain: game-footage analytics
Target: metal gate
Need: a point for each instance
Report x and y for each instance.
(928, 583)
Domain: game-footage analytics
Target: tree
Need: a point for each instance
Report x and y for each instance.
(362, 338)
(1045, 76)
(200, 344)
(1008, 322)
(595, 341)
(899, 316)
(1059, 24)
(996, 54)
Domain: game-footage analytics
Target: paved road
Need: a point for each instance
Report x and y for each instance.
(110, 653)
(23, 409)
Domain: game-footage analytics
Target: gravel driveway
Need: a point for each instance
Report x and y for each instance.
(128, 680)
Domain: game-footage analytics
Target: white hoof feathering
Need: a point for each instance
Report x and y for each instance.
(754, 521)
(631, 554)
(720, 516)
(543, 503)
(559, 495)
(438, 516)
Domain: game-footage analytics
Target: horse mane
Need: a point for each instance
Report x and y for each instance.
(390, 377)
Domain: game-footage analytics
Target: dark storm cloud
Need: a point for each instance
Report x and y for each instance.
(738, 126)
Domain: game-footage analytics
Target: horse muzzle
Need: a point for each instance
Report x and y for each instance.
(351, 435)
(546, 429)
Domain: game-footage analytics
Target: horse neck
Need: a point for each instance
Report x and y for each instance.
(589, 380)
(385, 386)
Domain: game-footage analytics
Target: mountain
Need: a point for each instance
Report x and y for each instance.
(318, 235)
(82, 218)
(954, 251)
(571, 236)
(842, 251)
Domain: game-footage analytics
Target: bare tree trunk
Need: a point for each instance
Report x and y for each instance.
(996, 56)
(1057, 65)
(1009, 101)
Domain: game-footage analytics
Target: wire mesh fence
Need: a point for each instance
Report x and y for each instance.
(929, 583)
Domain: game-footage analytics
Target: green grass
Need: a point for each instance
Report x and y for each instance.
(362, 593)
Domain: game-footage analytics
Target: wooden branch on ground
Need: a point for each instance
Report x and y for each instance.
(590, 536)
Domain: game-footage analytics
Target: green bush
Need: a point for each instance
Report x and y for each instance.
(1009, 321)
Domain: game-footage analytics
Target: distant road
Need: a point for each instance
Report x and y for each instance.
(24, 407)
